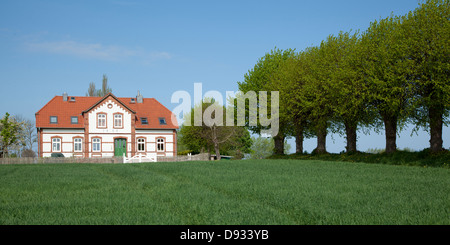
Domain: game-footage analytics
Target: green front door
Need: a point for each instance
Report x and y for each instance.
(120, 147)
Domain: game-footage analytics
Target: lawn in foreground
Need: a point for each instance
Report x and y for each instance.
(265, 192)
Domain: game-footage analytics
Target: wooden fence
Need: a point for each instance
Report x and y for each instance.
(38, 160)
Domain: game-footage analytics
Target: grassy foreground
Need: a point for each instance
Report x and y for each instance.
(266, 192)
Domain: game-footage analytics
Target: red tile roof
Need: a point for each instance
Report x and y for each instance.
(64, 110)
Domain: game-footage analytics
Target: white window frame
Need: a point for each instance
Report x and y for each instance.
(160, 144)
(101, 120)
(78, 142)
(118, 118)
(56, 143)
(141, 144)
(96, 145)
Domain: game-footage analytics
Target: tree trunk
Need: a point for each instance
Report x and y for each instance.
(321, 140)
(5, 152)
(299, 142)
(216, 148)
(436, 122)
(350, 131)
(299, 138)
(279, 145)
(390, 127)
(209, 153)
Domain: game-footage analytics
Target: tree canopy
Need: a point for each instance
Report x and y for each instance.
(393, 73)
(213, 135)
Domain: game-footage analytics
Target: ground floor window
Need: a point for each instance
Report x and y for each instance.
(141, 144)
(160, 144)
(56, 144)
(96, 143)
(77, 143)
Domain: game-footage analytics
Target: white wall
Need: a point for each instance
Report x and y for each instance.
(103, 108)
(151, 135)
(107, 137)
(66, 135)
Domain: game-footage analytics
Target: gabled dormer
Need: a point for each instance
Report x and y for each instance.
(109, 115)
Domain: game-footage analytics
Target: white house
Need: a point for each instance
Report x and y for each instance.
(105, 127)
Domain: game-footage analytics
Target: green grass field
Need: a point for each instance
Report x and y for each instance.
(263, 192)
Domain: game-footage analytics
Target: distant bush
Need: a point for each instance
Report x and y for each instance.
(28, 153)
(424, 158)
(183, 153)
(375, 150)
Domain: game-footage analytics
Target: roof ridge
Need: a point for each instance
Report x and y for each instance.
(103, 98)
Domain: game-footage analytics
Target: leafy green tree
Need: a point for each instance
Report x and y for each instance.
(289, 78)
(239, 145)
(350, 92)
(213, 135)
(263, 147)
(316, 93)
(259, 79)
(427, 35)
(385, 68)
(26, 135)
(8, 133)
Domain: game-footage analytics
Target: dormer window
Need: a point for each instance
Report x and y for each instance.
(162, 121)
(133, 100)
(72, 99)
(74, 120)
(53, 119)
(144, 121)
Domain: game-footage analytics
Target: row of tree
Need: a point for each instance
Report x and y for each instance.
(396, 72)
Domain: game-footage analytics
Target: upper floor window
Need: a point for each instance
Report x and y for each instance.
(74, 120)
(144, 121)
(118, 120)
(53, 119)
(101, 120)
(162, 121)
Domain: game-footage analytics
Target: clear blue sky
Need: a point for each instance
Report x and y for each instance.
(159, 47)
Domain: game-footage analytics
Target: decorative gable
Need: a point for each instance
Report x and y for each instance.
(109, 115)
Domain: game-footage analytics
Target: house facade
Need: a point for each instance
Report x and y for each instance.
(108, 126)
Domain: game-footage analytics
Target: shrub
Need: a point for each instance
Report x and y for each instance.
(57, 155)
(183, 153)
(28, 153)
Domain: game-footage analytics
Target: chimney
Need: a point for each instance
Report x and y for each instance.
(65, 96)
(139, 98)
